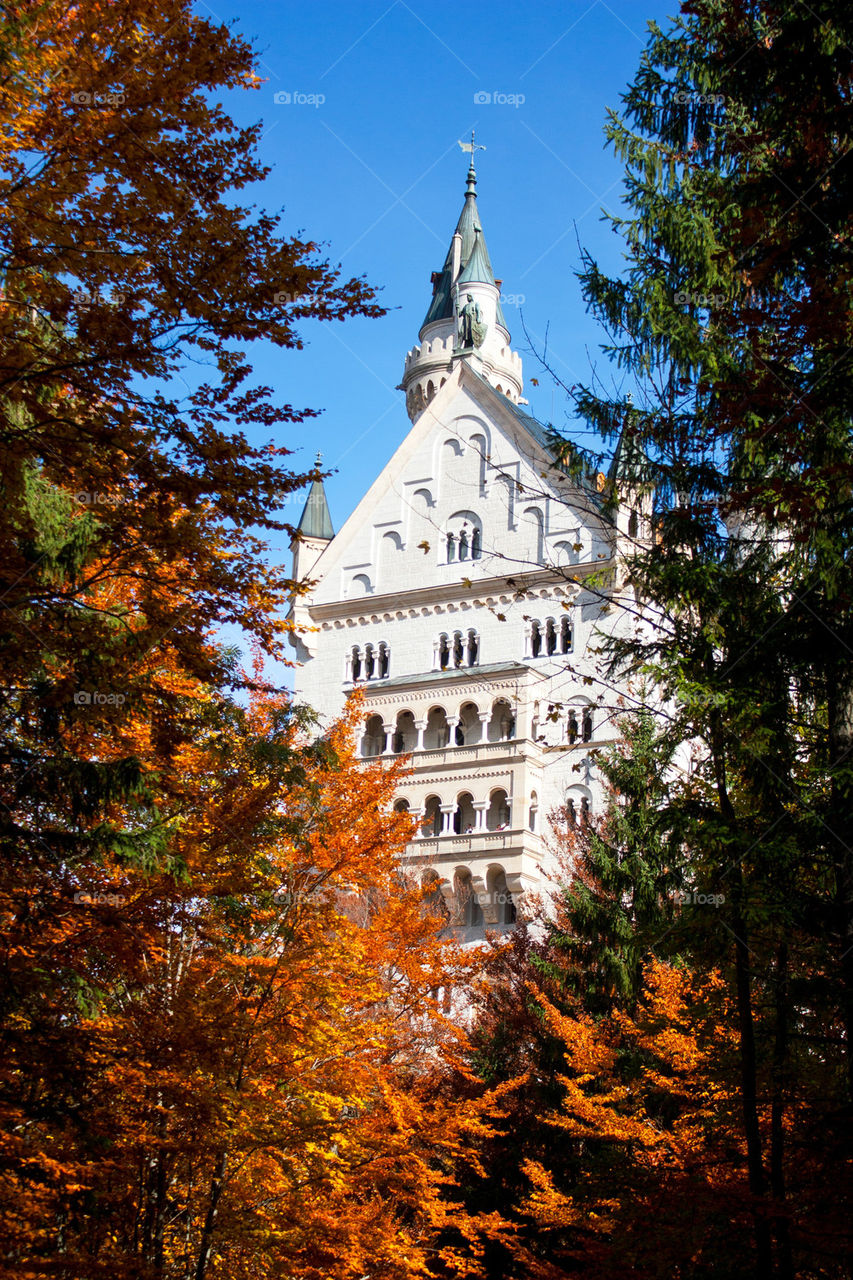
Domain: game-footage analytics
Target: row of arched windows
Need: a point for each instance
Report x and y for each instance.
(460, 546)
(436, 730)
(461, 649)
(373, 662)
(465, 816)
(462, 905)
(545, 639)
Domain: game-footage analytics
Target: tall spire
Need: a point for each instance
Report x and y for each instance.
(465, 322)
(467, 228)
(316, 519)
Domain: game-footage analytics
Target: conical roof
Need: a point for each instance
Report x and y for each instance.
(316, 519)
(474, 255)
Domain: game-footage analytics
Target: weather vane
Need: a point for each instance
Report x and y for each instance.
(472, 146)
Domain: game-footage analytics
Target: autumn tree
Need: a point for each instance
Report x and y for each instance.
(731, 325)
(248, 1075)
(137, 491)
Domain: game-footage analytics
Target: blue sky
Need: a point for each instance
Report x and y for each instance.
(364, 157)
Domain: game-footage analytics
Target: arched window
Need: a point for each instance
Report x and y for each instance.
(356, 663)
(473, 648)
(373, 742)
(565, 636)
(432, 896)
(464, 536)
(405, 733)
(585, 811)
(571, 815)
(458, 649)
(550, 637)
(443, 652)
(502, 723)
(572, 726)
(535, 639)
(437, 733)
(633, 525)
(431, 822)
(384, 661)
(468, 909)
(498, 813)
(534, 811)
(502, 905)
(369, 662)
(586, 725)
(464, 818)
(401, 806)
(469, 728)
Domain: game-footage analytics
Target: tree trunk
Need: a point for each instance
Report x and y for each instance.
(206, 1244)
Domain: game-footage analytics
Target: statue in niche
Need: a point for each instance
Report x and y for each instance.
(472, 329)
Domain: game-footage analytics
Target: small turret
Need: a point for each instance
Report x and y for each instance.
(314, 531)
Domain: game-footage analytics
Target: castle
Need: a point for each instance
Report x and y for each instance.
(458, 596)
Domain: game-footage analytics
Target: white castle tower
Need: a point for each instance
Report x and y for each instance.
(464, 596)
(464, 320)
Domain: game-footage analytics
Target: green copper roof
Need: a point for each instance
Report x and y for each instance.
(316, 521)
(474, 256)
(477, 267)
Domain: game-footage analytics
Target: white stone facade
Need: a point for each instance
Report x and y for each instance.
(458, 596)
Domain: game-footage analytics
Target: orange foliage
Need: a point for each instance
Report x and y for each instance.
(247, 1076)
